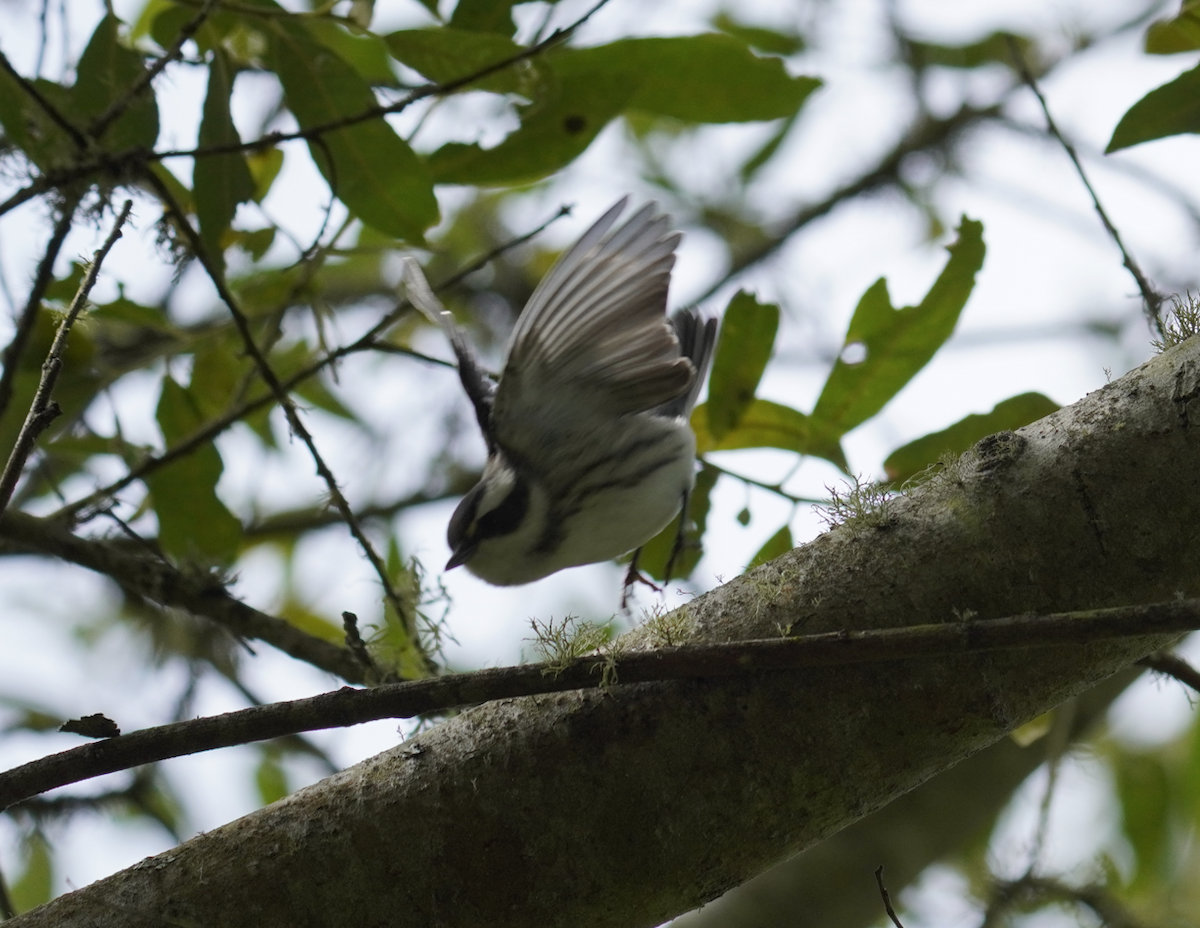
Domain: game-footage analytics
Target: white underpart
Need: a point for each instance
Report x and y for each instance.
(608, 523)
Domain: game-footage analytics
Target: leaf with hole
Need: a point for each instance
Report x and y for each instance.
(709, 78)
(885, 347)
(447, 54)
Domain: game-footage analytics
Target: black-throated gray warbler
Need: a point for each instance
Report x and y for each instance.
(590, 453)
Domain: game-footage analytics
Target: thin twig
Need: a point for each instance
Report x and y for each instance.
(358, 647)
(295, 521)
(41, 282)
(1152, 299)
(151, 578)
(776, 488)
(134, 90)
(349, 706)
(43, 410)
(886, 897)
(1042, 890)
(403, 612)
(929, 134)
(1172, 665)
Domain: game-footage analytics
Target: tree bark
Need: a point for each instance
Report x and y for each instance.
(627, 806)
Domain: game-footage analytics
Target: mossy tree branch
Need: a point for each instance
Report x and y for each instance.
(529, 803)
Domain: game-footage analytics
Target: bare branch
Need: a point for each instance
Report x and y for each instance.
(349, 706)
(84, 509)
(1172, 665)
(930, 133)
(295, 521)
(886, 897)
(155, 579)
(42, 411)
(404, 613)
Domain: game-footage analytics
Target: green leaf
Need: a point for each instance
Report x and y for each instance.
(255, 243)
(106, 71)
(179, 193)
(1172, 109)
(264, 168)
(36, 883)
(770, 425)
(27, 126)
(777, 545)
(991, 49)
(270, 777)
(366, 53)
(748, 330)
(699, 78)
(445, 54)
(770, 41)
(709, 78)
(911, 459)
(552, 134)
(192, 520)
(756, 161)
(220, 182)
(369, 168)
(1181, 34)
(898, 342)
(306, 620)
(219, 372)
(1143, 792)
(484, 16)
(77, 383)
(654, 554)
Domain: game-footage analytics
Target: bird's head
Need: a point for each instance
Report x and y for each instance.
(495, 508)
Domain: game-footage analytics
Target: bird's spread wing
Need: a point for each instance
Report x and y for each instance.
(594, 337)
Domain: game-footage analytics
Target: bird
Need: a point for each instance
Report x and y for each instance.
(590, 450)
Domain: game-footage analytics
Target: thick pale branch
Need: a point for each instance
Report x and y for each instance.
(627, 807)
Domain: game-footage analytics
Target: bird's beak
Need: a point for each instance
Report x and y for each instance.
(461, 556)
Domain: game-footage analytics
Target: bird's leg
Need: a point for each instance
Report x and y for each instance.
(680, 537)
(634, 576)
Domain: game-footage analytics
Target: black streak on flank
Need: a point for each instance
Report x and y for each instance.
(574, 124)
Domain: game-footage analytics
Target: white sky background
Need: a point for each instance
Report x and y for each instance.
(1049, 268)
